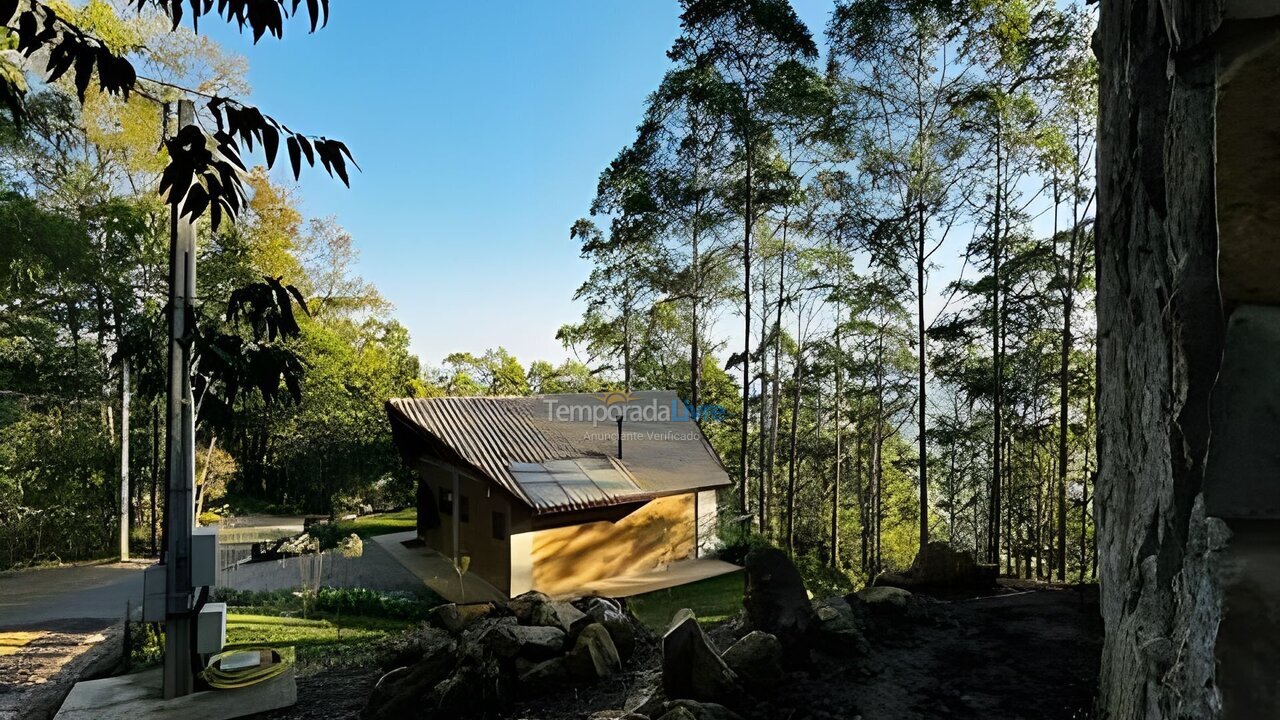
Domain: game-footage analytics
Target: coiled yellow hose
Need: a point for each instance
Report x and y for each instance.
(243, 677)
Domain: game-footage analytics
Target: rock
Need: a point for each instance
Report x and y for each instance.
(777, 603)
(474, 639)
(678, 713)
(545, 675)
(942, 570)
(399, 693)
(456, 618)
(756, 658)
(653, 706)
(529, 641)
(704, 711)
(523, 605)
(621, 627)
(594, 655)
(691, 668)
(601, 609)
(623, 633)
(407, 649)
(476, 688)
(885, 601)
(838, 629)
(559, 615)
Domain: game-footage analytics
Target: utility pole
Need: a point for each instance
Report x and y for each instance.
(180, 436)
(155, 469)
(124, 459)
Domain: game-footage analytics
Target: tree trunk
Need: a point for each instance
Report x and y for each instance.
(993, 549)
(695, 360)
(748, 225)
(924, 456)
(765, 483)
(835, 486)
(796, 378)
(1159, 349)
(1064, 370)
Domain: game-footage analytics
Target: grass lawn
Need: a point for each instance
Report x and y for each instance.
(317, 638)
(712, 600)
(381, 523)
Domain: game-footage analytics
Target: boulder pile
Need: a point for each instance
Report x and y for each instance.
(476, 659)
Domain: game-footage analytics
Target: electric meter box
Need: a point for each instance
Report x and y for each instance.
(153, 594)
(211, 628)
(204, 556)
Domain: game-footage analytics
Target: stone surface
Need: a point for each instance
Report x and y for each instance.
(777, 603)
(524, 604)
(756, 658)
(558, 614)
(885, 601)
(594, 655)
(942, 570)
(398, 694)
(530, 641)
(545, 675)
(621, 627)
(704, 710)
(691, 667)
(678, 713)
(456, 618)
(839, 626)
(129, 697)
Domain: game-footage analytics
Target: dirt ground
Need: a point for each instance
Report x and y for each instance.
(39, 664)
(1030, 652)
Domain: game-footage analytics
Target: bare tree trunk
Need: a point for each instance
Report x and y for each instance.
(695, 359)
(924, 454)
(1160, 330)
(796, 377)
(748, 226)
(993, 550)
(765, 484)
(1064, 370)
(835, 487)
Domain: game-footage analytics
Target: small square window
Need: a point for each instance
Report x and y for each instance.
(464, 509)
(446, 502)
(499, 526)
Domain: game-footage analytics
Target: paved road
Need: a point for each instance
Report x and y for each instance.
(375, 569)
(34, 597)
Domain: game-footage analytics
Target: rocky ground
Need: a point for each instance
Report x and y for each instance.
(1020, 650)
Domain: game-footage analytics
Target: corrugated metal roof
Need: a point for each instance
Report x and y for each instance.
(491, 433)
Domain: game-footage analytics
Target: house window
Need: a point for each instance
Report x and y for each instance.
(464, 509)
(446, 502)
(499, 526)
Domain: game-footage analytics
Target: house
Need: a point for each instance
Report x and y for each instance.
(544, 493)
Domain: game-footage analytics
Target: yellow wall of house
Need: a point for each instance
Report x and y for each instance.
(659, 533)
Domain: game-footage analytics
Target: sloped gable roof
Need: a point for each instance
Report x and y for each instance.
(664, 452)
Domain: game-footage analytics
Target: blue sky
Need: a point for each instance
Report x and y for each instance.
(481, 128)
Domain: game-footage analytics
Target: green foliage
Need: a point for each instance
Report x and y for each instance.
(145, 646)
(329, 600)
(367, 526)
